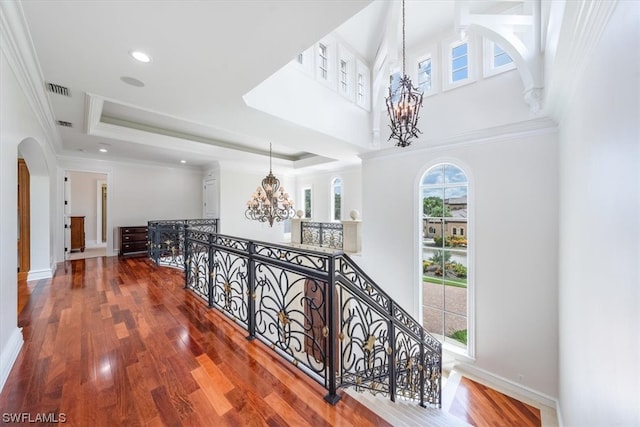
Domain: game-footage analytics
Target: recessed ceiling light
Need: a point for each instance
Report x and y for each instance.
(140, 56)
(103, 150)
(183, 161)
(132, 81)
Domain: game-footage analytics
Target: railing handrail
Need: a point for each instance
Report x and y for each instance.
(335, 269)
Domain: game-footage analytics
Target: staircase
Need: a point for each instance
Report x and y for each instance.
(318, 310)
(404, 413)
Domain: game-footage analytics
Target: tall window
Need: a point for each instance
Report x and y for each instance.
(360, 88)
(343, 76)
(336, 199)
(445, 295)
(323, 61)
(459, 62)
(306, 195)
(424, 75)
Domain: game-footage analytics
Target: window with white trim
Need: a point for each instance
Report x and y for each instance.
(336, 199)
(363, 85)
(424, 75)
(496, 60)
(458, 65)
(394, 84)
(344, 76)
(323, 61)
(459, 62)
(306, 197)
(445, 267)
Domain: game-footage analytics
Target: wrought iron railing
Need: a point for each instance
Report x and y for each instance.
(318, 310)
(323, 234)
(166, 239)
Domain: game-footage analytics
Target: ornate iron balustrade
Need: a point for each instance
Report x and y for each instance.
(319, 311)
(166, 239)
(323, 234)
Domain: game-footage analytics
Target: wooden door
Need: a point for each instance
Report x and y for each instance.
(24, 221)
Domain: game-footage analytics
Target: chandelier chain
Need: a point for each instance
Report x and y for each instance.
(404, 60)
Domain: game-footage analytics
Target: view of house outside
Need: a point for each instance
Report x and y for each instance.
(444, 253)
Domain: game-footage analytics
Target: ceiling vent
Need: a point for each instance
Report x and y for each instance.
(58, 89)
(65, 124)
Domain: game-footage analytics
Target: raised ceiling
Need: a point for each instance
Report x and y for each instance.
(205, 56)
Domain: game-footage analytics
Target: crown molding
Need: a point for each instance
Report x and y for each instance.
(534, 127)
(16, 44)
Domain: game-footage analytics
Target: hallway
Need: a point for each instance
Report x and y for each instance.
(112, 341)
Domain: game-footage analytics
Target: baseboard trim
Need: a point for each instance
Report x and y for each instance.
(45, 273)
(518, 390)
(9, 355)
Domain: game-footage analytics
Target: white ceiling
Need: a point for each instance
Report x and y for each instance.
(205, 56)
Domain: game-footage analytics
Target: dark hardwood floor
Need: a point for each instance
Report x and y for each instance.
(111, 341)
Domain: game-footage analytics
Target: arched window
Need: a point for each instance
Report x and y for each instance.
(445, 296)
(336, 199)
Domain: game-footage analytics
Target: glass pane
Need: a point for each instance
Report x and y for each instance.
(434, 175)
(501, 59)
(395, 85)
(460, 75)
(459, 50)
(433, 202)
(433, 295)
(459, 63)
(433, 321)
(455, 300)
(453, 174)
(455, 329)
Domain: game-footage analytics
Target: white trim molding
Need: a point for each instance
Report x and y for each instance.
(9, 355)
(16, 44)
(44, 273)
(513, 389)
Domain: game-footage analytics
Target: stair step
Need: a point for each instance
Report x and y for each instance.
(407, 413)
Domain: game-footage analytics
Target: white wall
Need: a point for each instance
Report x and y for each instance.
(17, 123)
(600, 234)
(484, 103)
(138, 193)
(513, 239)
(40, 263)
(321, 192)
(84, 193)
(236, 186)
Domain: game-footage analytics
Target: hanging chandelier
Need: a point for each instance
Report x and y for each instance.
(403, 104)
(269, 202)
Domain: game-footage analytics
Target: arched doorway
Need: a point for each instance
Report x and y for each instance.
(34, 215)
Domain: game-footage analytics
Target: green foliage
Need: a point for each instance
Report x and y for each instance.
(435, 207)
(451, 241)
(440, 257)
(459, 335)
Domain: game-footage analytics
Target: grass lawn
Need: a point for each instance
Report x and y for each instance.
(458, 283)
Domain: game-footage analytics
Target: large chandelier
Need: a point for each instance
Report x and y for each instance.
(403, 104)
(270, 202)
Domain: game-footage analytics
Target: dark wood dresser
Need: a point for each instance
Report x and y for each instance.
(133, 241)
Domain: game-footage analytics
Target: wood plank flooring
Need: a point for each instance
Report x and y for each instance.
(111, 341)
(480, 405)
